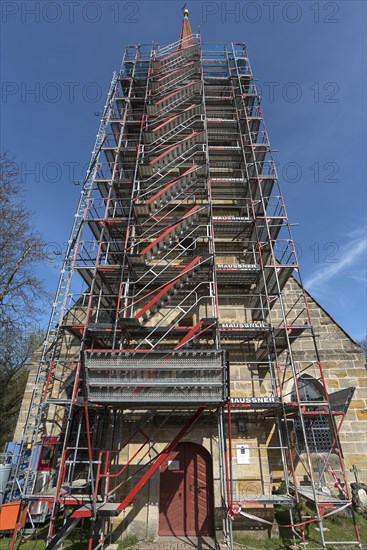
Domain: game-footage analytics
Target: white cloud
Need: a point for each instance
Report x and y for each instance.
(350, 254)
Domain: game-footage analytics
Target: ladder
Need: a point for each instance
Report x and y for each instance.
(44, 376)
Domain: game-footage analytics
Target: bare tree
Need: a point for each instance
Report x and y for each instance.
(22, 293)
(21, 247)
(17, 349)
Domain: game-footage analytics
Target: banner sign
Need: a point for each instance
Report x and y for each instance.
(238, 267)
(254, 402)
(244, 326)
(231, 219)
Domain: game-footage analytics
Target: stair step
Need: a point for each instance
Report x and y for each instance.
(153, 172)
(175, 99)
(170, 191)
(160, 135)
(109, 509)
(173, 233)
(177, 150)
(175, 77)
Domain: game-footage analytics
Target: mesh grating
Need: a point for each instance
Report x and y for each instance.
(156, 377)
(318, 436)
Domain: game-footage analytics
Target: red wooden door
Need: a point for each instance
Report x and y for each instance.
(186, 504)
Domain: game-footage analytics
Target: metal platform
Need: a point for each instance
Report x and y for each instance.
(321, 497)
(147, 376)
(247, 500)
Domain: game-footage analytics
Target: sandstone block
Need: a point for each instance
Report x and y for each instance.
(362, 415)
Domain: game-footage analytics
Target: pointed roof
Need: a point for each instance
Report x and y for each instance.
(186, 37)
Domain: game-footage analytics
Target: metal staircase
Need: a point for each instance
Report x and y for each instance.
(188, 272)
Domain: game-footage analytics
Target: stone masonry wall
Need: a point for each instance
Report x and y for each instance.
(344, 365)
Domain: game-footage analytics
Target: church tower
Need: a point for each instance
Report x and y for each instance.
(180, 389)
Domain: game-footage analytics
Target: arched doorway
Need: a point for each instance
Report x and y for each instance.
(186, 505)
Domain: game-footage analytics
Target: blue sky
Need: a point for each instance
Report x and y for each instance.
(309, 59)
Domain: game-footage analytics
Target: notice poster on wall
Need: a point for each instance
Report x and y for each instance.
(243, 454)
(173, 465)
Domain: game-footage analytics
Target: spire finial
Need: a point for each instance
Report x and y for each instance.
(186, 37)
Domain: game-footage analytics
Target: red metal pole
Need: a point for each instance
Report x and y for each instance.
(229, 452)
(167, 287)
(153, 468)
(162, 457)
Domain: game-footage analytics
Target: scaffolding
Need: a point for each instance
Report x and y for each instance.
(190, 280)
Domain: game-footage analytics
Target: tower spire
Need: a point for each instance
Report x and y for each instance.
(186, 37)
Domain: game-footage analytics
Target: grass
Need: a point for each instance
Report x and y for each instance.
(128, 542)
(26, 544)
(340, 529)
(76, 543)
(263, 544)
